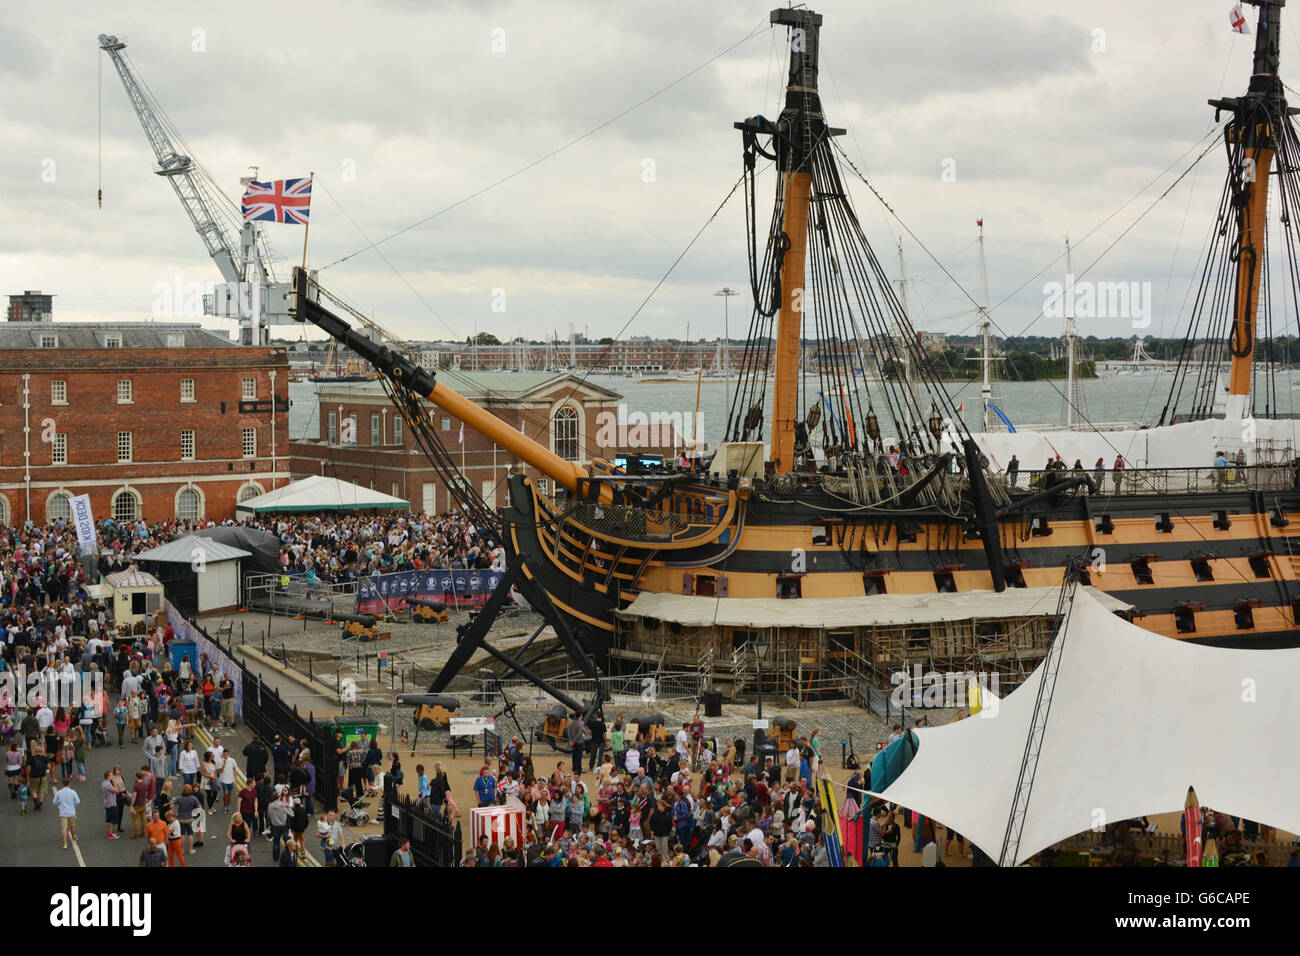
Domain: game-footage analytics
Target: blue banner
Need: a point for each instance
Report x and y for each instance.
(451, 586)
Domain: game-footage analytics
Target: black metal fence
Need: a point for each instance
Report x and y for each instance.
(435, 841)
(266, 713)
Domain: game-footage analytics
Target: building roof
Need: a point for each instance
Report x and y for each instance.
(321, 493)
(133, 577)
(877, 610)
(1134, 719)
(505, 386)
(91, 335)
(186, 549)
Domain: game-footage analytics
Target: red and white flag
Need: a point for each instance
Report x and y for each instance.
(1238, 20)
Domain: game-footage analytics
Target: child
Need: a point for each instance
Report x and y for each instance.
(634, 824)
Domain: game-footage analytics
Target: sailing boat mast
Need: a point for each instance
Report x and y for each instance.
(986, 335)
(1070, 397)
(1258, 117)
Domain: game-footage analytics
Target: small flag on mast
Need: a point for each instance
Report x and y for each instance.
(980, 222)
(960, 406)
(1238, 20)
(461, 439)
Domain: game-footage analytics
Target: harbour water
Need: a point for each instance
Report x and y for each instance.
(1114, 398)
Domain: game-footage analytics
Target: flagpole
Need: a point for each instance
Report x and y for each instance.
(307, 229)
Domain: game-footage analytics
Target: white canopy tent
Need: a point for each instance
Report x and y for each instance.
(320, 493)
(1135, 719)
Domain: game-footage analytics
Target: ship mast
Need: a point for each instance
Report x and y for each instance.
(799, 127)
(1258, 117)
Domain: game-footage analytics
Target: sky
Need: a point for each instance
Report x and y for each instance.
(1043, 119)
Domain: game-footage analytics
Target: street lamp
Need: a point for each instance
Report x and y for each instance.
(760, 652)
(726, 292)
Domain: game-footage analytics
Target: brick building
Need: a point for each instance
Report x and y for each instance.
(363, 441)
(152, 420)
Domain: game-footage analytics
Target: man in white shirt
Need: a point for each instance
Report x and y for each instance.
(791, 772)
(218, 751)
(227, 778)
(683, 743)
(44, 717)
(631, 759)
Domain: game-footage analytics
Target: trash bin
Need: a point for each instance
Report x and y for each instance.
(376, 849)
(713, 703)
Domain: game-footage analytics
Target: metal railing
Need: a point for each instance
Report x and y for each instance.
(1165, 481)
(290, 595)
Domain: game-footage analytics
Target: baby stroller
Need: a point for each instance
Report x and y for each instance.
(238, 855)
(354, 815)
(352, 856)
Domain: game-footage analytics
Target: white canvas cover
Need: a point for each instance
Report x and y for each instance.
(320, 493)
(189, 549)
(1135, 720)
(875, 610)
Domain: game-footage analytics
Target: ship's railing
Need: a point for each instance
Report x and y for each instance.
(290, 595)
(1164, 481)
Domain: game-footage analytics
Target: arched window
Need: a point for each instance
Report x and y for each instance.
(126, 506)
(4, 510)
(564, 432)
(58, 507)
(250, 490)
(189, 506)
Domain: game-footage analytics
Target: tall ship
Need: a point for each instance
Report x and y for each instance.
(834, 488)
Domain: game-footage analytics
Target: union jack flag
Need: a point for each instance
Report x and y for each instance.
(281, 200)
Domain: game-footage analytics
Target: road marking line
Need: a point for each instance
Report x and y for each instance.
(76, 848)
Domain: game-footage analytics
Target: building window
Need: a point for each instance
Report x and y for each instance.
(126, 507)
(124, 391)
(58, 507)
(564, 432)
(543, 486)
(248, 442)
(396, 493)
(124, 446)
(397, 430)
(248, 389)
(187, 390)
(113, 340)
(374, 429)
(248, 492)
(58, 392)
(187, 505)
(59, 449)
(333, 428)
(49, 340)
(446, 423)
(187, 444)
(176, 340)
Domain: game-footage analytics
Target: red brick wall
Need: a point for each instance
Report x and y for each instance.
(92, 418)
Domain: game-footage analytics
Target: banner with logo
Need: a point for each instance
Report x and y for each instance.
(453, 587)
(85, 523)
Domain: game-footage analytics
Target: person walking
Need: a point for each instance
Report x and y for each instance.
(141, 794)
(298, 824)
(175, 847)
(67, 800)
(153, 856)
(188, 764)
(119, 721)
(186, 808)
(278, 815)
(356, 763)
(1013, 472)
(226, 777)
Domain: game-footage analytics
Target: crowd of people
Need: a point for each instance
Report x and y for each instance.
(681, 800)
